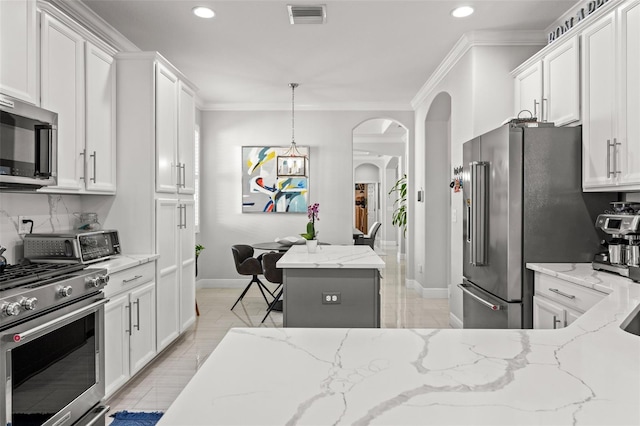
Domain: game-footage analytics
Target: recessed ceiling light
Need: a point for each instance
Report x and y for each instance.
(203, 12)
(462, 11)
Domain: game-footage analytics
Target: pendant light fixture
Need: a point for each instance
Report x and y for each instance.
(292, 162)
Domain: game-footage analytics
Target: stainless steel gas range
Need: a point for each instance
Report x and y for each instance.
(52, 344)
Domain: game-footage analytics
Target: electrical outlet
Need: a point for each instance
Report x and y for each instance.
(23, 228)
(331, 298)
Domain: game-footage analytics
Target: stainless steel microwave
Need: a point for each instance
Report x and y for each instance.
(28, 145)
(72, 247)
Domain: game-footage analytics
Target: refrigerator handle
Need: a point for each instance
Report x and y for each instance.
(489, 305)
(478, 216)
(468, 223)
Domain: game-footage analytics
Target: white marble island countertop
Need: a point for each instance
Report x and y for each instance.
(587, 373)
(331, 256)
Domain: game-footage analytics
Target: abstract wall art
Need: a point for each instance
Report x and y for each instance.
(274, 181)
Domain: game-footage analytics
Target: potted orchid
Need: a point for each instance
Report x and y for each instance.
(311, 234)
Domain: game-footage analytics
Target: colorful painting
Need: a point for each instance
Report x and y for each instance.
(274, 182)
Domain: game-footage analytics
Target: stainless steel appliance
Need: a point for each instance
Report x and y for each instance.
(28, 145)
(621, 223)
(72, 247)
(52, 344)
(523, 202)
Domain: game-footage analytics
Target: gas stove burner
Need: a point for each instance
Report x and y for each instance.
(624, 207)
(19, 275)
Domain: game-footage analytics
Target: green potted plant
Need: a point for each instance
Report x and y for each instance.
(399, 217)
(199, 248)
(311, 234)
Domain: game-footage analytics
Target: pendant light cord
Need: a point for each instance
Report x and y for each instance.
(293, 114)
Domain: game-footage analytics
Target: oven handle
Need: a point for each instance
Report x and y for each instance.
(18, 337)
(99, 415)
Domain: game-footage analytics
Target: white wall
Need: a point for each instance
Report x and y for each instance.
(328, 133)
(481, 90)
(367, 173)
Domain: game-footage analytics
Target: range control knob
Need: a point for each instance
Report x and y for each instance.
(93, 282)
(29, 303)
(11, 309)
(65, 291)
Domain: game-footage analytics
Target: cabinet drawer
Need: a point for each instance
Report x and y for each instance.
(130, 278)
(569, 294)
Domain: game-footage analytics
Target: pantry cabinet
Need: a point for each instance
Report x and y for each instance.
(548, 86)
(18, 65)
(130, 321)
(156, 139)
(78, 82)
(611, 128)
(558, 303)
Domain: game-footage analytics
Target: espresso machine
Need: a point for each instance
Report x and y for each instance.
(622, 226)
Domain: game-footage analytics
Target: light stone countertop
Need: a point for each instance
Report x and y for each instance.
(123, 261)
(331, 256)
(585, 374)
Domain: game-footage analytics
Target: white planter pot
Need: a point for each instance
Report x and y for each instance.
(312, 245)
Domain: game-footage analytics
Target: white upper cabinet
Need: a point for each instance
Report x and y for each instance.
(561, 82)
(78, 81)
(100, 120)
(611, 93)
(186, 139)
(548, 84)
(167, 167)
(62, 91)
(18, 49)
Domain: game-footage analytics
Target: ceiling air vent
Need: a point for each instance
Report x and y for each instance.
(307, 14)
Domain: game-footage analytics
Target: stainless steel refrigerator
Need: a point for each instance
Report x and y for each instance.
(523, 202)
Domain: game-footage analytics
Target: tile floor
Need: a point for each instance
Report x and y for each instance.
(156, 387)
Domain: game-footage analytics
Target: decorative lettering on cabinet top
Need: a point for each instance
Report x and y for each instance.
(572, 20)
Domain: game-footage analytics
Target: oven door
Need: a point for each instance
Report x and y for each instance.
(52, 367)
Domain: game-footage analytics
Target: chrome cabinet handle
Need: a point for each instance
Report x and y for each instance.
(179, 177)
(94, 156)
(615, 157)
(489, 305)
(561, 293)
(137, 303)
(535, 107)
(128, 280)
(555, 322)
(545, 110)
(128, 308)
(84, 157)
(609, 146)
(184, 175)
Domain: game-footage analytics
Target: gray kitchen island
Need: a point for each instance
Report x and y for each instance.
(337, 286)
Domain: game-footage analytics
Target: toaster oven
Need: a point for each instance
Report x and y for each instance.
(72, 247)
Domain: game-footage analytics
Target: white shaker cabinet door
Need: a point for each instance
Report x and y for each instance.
(528, 91)
(629, 131)
(186, 139)
(188, 265)
(100, 120)
(18, 49)
(561, 99)
(166, 130)
(143, 330)
(62, 76)
(168, 284)
(598, 139)
(116, 330)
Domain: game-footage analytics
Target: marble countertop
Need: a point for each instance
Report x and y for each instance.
(331, 256)
(123, 261)
(585, 374)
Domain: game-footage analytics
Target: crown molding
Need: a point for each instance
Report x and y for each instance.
(80, 12)
(466, 42)
(356, 106)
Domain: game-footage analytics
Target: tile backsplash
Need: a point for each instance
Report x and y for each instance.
(49, 212)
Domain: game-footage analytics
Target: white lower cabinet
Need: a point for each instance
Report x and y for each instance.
(130, 324)
(558, 303)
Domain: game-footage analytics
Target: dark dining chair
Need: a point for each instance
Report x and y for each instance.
(246, 264)
(273, 274)
(370, 238)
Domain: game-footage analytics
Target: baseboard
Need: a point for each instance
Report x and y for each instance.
(428, 293)
(222, 283)
(454, 321)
